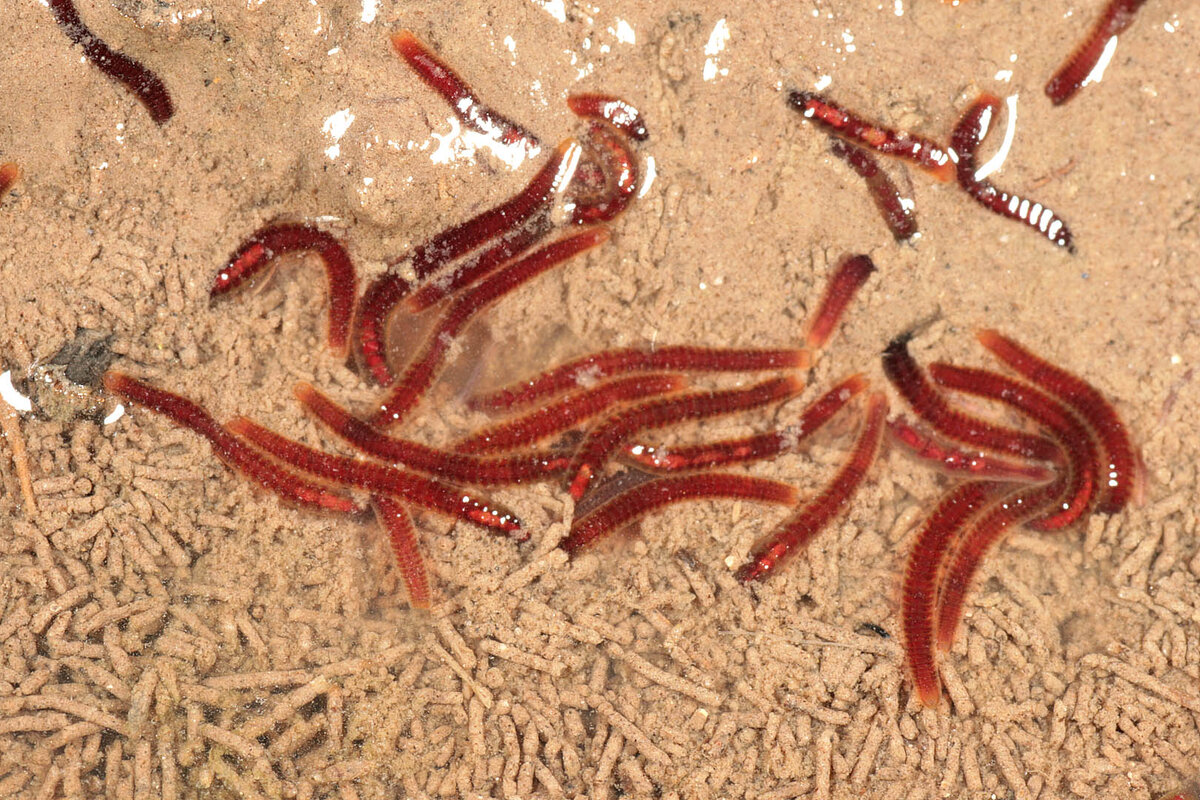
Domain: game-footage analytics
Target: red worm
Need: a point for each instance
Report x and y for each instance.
(922, 577)
(1069, 78)
(1012, 510)
(848, 277)
(1119, 470)
(613, 110)
(456, 467)
(602, 186)
(9, 172)
(884, 194)
(394, 518)
(379, 479)
(1076, 488)
(925, 153)
(652, 495)
(458, 95)
(1190, 792)
(676, 358)
(606, 437)
(504, 220)
(273, 241)
(798, 530)
(420, 373)
(751, 448)
(904, 373)
(144, 84)
(568, 412)
(968, 134)
(476, 266)
(606, 178)
(184, 412)
(925, 446)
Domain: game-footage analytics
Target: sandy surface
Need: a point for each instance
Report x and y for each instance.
(167, 630)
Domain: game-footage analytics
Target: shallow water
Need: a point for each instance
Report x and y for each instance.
(246, 647)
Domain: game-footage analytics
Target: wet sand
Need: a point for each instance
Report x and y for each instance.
(168, 630)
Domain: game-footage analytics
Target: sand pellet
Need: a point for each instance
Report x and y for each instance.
(1013, 774)
(247, 749)
(67, 600)
(259, 680)
(455, 642)
(33, 722)
(1139, 678)
(49, 783)
(236, 783)
(662, 677)
(480, 691)
(111, 615)
(864, 762)
(522, 657)
(78, 709)
(285, 707)
(628, 730)
(533, 570)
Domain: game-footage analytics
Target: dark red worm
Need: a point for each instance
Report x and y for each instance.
(419, 374)
(898, 216)
(922, 577)
(9, 172)
(569, 412)
(379, 479)
(606, 178)
(924, 445)
(794, 533)
(908, 378)
(848, 277)
(370, 322)
(750, 448)
(144, 84)
(655, 494)
(1014, 509)
(395, 519)
(606, 437)
(184, 412)
(1069, 78)
(1120, 469)
(271, 242)
(1076, 488)
(675, 358)
(458, 95)
(925, 153)
(456, 467)
(477, 266)
(968, 134)
(504, 220)
(613, 110)
(602, 186)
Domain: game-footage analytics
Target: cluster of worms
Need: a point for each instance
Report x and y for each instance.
(152, 92)
(585, 423)
(857, 136)
(854, 139)
(459, 272)
(606, 400)
(1074, 456)
(1033, 446)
